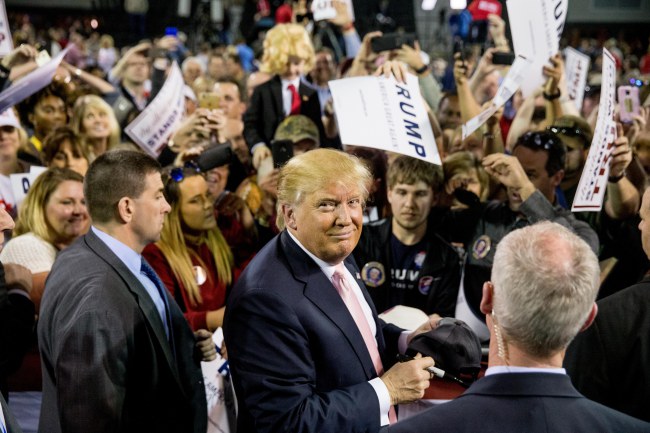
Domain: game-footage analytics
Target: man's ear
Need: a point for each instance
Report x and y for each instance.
(590, 319)
(289, 216)
(556, 179)
(125, 209)
(486, 300)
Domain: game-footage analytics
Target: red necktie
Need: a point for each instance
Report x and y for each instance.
(295, 100)
(351, 301)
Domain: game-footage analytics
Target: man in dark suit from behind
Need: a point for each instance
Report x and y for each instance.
(609, 361)
(543, 291)
(117, 353)
(306, 349)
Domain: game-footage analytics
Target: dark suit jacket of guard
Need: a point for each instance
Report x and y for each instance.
(265, 111)
(521, 402)
(609, 361)
(107, 363)
(298, 360)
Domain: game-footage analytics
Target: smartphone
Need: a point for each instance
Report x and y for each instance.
(628, 103)
(503, 58)
(171, 31)
(209, 100)
(459, 47)
(392, 41)
(282, 151)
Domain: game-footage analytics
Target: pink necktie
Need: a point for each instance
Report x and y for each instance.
(295, 100)
(351, 301)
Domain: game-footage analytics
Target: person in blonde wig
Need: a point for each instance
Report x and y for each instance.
(95, 123)
(192, 257)
(288, 55)
(52, 216)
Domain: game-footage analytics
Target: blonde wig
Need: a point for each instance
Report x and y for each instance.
(282, 42)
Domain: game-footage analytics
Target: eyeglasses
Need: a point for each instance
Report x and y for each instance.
(178, 174)
(569, 132)
(542, 140)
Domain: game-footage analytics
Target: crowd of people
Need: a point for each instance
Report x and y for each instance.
(117, 267)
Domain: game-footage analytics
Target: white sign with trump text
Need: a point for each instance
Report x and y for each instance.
(381, 113)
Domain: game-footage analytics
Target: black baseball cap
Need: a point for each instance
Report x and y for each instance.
(453, 346)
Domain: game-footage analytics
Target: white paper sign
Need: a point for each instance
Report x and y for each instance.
(536, 27)
(152, 128)
(576, 67)
(213, 377)
(593, 181)
(31, 83)
(6, 43)
(324, 9)
(21, 182)
(381, 113)
(511, 83)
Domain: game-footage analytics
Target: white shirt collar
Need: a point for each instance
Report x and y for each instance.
(325, 267)
(499, 369)
(295, 82)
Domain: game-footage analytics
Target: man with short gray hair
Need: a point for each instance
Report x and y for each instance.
(543, 291)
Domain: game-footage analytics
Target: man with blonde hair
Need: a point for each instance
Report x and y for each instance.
(542, 293)
(306, 349)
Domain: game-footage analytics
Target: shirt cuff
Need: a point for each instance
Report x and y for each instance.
(384, 399)
(18, 292)
(261, 143)
(402, 344)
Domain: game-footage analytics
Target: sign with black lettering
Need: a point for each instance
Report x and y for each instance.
(21, 182)
(381, 113)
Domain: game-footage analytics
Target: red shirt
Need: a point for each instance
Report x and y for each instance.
(213, 293)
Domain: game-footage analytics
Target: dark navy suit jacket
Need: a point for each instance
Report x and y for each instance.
(298, 360)
(521, 402)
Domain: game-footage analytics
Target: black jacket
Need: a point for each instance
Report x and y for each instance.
(439, 276)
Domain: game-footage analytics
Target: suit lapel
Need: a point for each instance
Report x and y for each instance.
(140, 295)
(322, 293)
(276, 93)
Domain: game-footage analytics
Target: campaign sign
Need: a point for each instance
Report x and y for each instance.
(152, 128)
(381, 113)
(593, 181)
(31, 83)
(536, 28)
